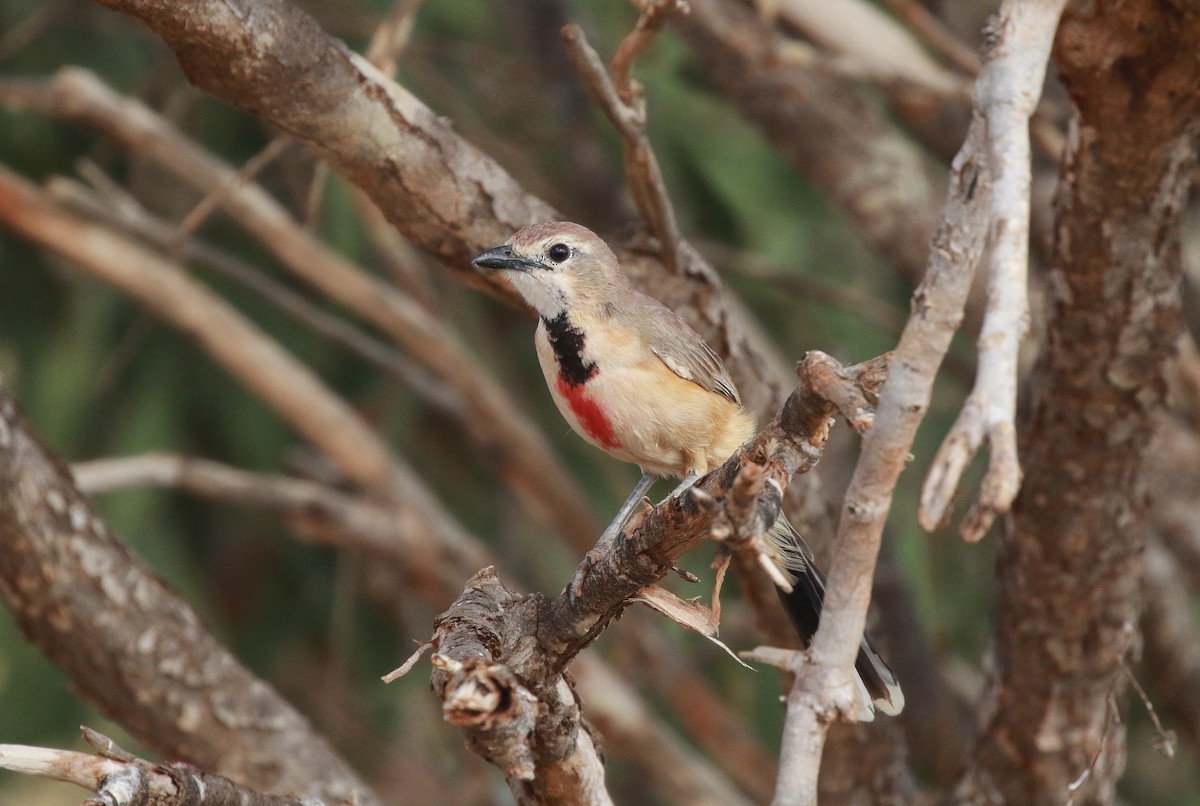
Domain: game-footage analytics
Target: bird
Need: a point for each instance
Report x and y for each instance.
(632, 378)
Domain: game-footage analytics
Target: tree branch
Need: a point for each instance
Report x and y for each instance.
(119, 779)
(351, 521)
(622, 100)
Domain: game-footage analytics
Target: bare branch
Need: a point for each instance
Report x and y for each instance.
(358, 523)
(1006, 95)
(321, 513)
(622, 101)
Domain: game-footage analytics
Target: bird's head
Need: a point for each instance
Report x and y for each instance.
(557, 266)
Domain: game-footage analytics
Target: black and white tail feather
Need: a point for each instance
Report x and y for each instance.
(877, 684)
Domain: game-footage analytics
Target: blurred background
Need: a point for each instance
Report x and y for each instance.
(101, 377)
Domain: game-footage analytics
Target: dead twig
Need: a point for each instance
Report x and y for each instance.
(620, 98)
(935, 33)
(215, 197)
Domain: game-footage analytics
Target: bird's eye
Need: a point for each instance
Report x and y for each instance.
(558, 252)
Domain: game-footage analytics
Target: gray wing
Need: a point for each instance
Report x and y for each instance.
(687, 355)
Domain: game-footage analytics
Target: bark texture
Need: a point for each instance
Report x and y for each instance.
(1070, 568)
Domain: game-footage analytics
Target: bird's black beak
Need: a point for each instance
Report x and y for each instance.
(503, 257)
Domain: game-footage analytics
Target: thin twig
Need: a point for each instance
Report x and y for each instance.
(39, 20)
(654, 15)
(625, 107)
(391, 36)
(935, 33)
(349, 520)
(215, 197)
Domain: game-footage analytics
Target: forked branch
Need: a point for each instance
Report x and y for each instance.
(1006, 95)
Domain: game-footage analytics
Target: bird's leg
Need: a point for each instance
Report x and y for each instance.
(604, 544)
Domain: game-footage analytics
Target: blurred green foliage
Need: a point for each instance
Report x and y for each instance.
(100, 377)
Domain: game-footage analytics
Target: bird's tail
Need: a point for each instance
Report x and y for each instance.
(803, 606)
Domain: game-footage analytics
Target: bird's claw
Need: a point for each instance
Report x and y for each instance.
(685, 575)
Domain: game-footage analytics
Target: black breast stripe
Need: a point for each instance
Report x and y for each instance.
(567, 342)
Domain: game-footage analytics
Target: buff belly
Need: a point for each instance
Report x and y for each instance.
(644, 413)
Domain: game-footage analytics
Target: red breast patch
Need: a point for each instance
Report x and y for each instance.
(591, 415)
